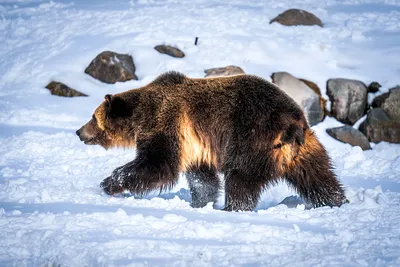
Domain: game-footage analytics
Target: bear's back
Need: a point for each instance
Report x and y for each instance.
(247, 95)
(245, 99)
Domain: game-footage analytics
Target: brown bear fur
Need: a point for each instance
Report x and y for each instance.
(241, 126)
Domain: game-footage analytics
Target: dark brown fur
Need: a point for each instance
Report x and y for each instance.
(242, 126)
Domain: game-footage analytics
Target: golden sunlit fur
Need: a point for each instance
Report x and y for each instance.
(312, 147)
(283, 154)
(100, 117)
(193, 150)
(288, 156)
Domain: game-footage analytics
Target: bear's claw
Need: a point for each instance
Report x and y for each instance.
(110, 186)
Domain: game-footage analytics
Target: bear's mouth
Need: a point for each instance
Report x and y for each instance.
(90, 141)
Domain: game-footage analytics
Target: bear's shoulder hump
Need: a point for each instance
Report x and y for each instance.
(170, 78)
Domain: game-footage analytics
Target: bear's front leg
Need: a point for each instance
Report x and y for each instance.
(111, 187)
(155, 167)
(114, 184)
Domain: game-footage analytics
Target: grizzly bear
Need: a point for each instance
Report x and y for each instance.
(241, 126)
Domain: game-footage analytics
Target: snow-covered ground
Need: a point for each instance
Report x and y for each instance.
(52, 210)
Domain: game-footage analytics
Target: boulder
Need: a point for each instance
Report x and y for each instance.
(391, 105)
(295, 17)
(349, 135)
(224, 71)
(348, 99)
(379, 100)
(169, 50)
(302, 94)
(60, 89)
(111, 67)
(380, 127)
(373, 87)
(312, 85)
(315, 88)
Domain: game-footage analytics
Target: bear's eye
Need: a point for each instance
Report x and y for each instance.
(94, 117)
(277, 146)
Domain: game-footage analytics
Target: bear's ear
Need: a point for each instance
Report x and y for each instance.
(117, 107)
(293, 133)
(107, 99)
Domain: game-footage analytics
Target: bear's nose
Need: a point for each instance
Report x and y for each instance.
(78, 132)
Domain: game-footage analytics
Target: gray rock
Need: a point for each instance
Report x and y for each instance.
(60, 89)
(302, 93)
(348, 99)
(391, 105)
(380, 127)
(169, 50)
(315, 88)
(373, 87)
(349, 135)
(295, 17)
(379, 100)
(390, 102)
(111, 67)
(313, 110)
(224, 71)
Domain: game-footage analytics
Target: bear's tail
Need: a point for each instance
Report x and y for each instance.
(308, 169)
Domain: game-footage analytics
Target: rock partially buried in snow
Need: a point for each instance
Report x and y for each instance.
(295, 17)
(224, 71)
(390, 102)
(348, 99)
(391, 105)
(111, 67)
(169, 50)
(302, 94)
(349, 135)
(383, 122)
(60, 89)
(380, 127)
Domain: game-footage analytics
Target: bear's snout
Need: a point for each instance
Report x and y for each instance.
(83, 136)
(80, 135)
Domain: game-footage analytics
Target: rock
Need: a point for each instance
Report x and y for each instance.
(316, 89)
(295, 17)
(312, 85)
(390, 102)
(391, 105)
(349, 135)
(380, 127)
(224, 71)
(379, 100)
(169, 50)
(373, 87)
(348, 99)
(111, 67)
(60, 89)
(302, 94)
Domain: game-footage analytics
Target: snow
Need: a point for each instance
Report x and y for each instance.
(52, 211)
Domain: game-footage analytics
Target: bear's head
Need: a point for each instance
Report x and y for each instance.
(110, 125)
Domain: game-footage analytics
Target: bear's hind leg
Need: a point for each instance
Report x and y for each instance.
(312, 177)
(242, 190)
(204, 184)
